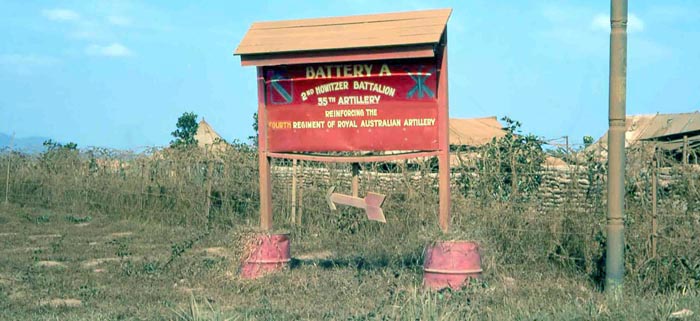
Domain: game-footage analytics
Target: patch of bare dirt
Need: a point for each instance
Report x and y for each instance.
(32, 249)
(121, 234)
(50, 264)
(57, 303)
(44, 236)
(216, 251)
(5, 280)
(24, 249)
(319, 255)
(509, 282)
(96, 262)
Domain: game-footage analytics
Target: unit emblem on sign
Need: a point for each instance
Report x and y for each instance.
(282, 87)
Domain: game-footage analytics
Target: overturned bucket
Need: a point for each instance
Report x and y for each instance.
(450, 264)
(267, 253)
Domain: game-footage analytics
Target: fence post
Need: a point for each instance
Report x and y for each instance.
(355, 179)
(300, 212)
(143, 184)
(654, 210)
(294, 192)
(7, 178)
(685, 150)
(514, 174)
(208, 178)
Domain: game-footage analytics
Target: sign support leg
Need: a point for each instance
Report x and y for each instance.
(263, 158)
(444, 186)
(444, 140)
(265, 192)
(293, 218)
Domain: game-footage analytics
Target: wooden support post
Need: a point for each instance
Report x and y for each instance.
(143, 184)
(300, 212)
(293, 217)
(224, 201)
(443, 140)
(513, 174)
(207, 199)
(685, 150)
(654, 213)
(263, 158)
(355, 179)
(7, 178)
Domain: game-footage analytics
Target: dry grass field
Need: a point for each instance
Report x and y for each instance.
(160, 238)
(58, 266)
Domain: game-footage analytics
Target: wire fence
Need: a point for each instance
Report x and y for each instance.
(524, 204)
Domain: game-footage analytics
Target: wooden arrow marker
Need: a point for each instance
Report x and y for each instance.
(372, 203)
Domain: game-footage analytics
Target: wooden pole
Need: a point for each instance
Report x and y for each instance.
(355, 179)
(514, 173)
(685, 150)
(443, 140)
(144, 181)
(7, 177)
(224, 201)
(207, 200)
(300, 213)
(654, 213)
(293, 217)
(263, 158)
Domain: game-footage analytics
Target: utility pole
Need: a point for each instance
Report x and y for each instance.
(615, 246)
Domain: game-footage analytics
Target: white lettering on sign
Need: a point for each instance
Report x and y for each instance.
(346, 71)
(333, 86)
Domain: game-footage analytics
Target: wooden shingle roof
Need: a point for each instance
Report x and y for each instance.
(401, 29)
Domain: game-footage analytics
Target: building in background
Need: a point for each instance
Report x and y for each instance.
(474, 132)
(675, 134)
(208, 139)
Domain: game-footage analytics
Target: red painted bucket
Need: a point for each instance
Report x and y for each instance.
(450, 264)
(268, 253)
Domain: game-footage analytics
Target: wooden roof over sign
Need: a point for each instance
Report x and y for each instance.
(410, 34)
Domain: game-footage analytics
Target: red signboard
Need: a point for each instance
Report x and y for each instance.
(368, 106)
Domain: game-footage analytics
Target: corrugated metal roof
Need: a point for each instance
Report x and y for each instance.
(667, 129)
(365, 31)
(475, 131)
(666, 126)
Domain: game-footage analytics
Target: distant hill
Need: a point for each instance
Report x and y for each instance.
(23, 144)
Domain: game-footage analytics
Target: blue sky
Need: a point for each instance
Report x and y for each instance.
(119, 73)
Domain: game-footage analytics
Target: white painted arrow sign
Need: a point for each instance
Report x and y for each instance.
(372, 203)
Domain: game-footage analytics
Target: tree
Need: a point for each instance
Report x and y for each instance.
(60, 157)
(254, 139)
(509, 166)
(186, 129)
(52, 145)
